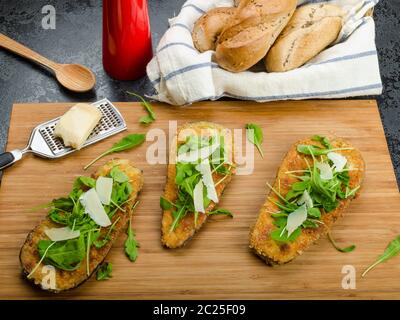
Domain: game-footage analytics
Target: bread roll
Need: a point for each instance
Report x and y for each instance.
(251, 32)
(209, 26)
(312, 28)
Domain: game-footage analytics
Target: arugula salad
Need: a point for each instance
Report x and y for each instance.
(321, 187)
(85, 218)
(199, 160)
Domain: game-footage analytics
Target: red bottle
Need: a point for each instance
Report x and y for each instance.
(126, 38)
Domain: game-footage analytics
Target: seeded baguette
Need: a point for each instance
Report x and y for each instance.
(66, 280)
(312, 28)
(186, 228)
(251, 32)
(276, 253)
(208, 27)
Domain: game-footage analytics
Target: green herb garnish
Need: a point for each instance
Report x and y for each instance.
(68, 211)
(316, 150)
(221, 211)
(126, 143)
(100, 243)
(151, 116)
(392, 250)
(344, 250)
(323, 140)
(104, 272)
(131, 245)
(41, 260)
(84, 182)
(165, 204)
(188, 176)
(255, 136)
(313, 195)
(118, 175)
(65, 255)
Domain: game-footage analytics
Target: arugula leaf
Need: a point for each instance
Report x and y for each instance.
(314, 212)
(392, 250)
(101, 243)
(128, 142)
(165, 204)
(292, 194)
(121, 193)
(63, 204)
(221, 212)
(188, 176)
(281, 234)
(69, 254)
(310, 223)
(65, 255)
(151, 116)
(118, 175)
(183, 170)
(325, 194)
(58, 216)
(323, 140)
(104, 271)
(182, 207)
(255, 136)
(146, 119)
(131, 245)
(311, 149)
(344, 250)
(84, 182)
(316, 150)
(301, 185)
(189, 183)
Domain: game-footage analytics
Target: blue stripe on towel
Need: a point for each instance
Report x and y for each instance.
(190, 68)
(214, 65)
(187, 69)
(348, 57)
(172, 44)
(194, 7)
(294, 96)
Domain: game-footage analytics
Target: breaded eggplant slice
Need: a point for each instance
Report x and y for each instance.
(186, 228)
(66, 280)
(274, 252)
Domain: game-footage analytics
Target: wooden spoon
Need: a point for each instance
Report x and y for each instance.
(74, 77)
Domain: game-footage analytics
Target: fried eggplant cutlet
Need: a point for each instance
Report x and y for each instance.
(200, 167)
(317, 180)
(77, 235)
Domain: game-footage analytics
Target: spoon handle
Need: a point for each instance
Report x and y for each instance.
(25, 52)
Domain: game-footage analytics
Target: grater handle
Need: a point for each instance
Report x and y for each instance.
(9, 158)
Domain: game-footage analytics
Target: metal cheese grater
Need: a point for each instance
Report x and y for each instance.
(43, 143)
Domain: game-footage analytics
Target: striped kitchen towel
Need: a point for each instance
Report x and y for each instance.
(182, 75)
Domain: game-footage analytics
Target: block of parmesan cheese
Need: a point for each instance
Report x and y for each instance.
(77, 124)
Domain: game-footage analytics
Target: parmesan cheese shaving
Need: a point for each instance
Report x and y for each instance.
(326, 172)
(94, 208)
(104, 187)
(306, 199)
(194, 155)
(205, 169)
(296, 219)
(198, 197)
(61, 234)
(338, 160)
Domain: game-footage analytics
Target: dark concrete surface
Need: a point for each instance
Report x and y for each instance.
(77, 39)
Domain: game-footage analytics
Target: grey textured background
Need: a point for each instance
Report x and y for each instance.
(77, 39)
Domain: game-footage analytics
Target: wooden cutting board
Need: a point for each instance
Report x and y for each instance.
(217, 262)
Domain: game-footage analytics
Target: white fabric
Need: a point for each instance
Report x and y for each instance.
(181, 75)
